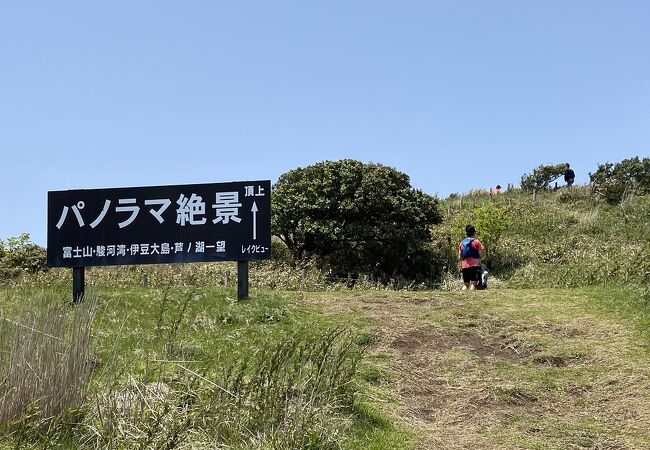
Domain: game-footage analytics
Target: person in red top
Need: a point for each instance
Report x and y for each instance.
(470, 251)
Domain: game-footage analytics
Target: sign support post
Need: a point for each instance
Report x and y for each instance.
(242, 280)
(78, 284)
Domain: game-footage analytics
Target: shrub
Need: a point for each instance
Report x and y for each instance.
(18, 254)
(612, 182)
(491, 221)
(445, 250)
(542, 177)
(356, 218)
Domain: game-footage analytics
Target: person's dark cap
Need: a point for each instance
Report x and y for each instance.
(470, 230)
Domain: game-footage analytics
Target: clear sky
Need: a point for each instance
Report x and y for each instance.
(458, 95)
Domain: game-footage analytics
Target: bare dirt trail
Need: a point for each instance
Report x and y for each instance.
(506, 369)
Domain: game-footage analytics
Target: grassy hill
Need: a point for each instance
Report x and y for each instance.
(167, 367)
(557, 239)
(562, 238)
(158, 368)
(507, 368)
(560, 359)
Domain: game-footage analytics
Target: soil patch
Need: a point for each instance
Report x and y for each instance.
(505, 370)
(435, 339)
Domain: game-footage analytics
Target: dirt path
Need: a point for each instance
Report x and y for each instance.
(506, 369)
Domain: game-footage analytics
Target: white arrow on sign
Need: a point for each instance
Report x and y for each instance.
(254, 211)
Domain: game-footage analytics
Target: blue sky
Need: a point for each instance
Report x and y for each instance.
(458, 95)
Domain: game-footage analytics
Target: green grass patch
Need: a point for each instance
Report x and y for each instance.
(167, 367)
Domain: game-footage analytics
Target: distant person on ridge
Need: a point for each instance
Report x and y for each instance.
(470, 251)
(569, 175)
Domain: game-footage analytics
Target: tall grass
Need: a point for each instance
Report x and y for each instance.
(263, 275)
(564, 238)
(158, 384)
(290, 395)
(46, 360)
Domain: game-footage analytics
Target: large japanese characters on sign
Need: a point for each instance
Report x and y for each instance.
(161, 224)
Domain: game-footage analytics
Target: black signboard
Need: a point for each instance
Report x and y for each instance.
(159, 224)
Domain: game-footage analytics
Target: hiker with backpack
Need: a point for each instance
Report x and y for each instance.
(569, 175)
(470, 251)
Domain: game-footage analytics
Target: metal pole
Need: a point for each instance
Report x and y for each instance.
(78, 284)
(242, 280)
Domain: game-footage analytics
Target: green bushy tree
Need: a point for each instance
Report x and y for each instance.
(18, 254)
(613, 181)
(542, 176)
(491, 221)
(353, 217)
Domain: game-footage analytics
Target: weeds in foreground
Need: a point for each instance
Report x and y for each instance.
(47, 361)
(292, 394)
(293, 391)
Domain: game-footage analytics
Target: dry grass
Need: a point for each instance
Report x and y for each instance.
(46, 361)
(290, 395)
(280, 385)
(508, 369)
